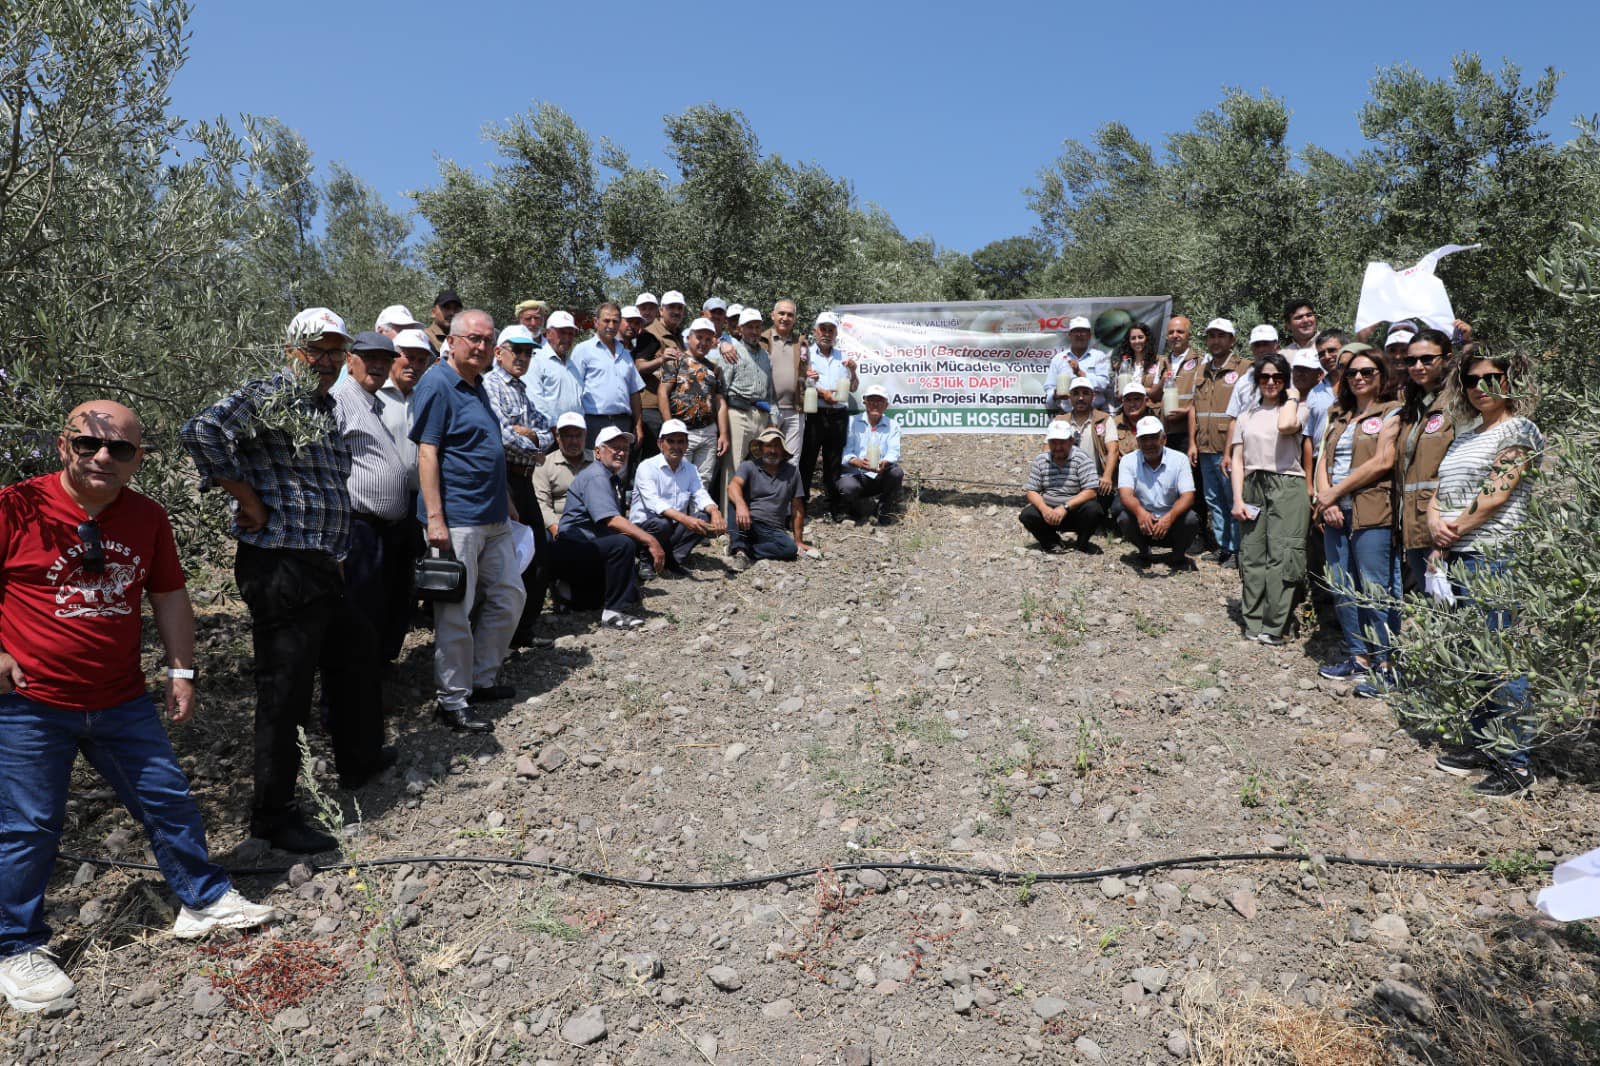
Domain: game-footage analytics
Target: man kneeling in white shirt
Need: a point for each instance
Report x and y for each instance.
(669, 500)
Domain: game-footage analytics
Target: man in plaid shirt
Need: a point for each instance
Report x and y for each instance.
(275, 448)
(526, 434)
(1063, 493)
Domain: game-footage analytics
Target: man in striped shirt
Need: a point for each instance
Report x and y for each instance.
(1063, 493)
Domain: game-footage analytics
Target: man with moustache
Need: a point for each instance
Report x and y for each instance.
(446, 306)
(595, 533)
(791, 371)
(555, 382)
(611, 382)
(526, 436)
(661, 340)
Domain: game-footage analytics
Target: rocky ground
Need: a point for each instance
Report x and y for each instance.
(934, 691)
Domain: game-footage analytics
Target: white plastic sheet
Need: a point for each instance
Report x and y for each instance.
(1437, 584)
(1575, 893)
(522, 540)
(1388, 295)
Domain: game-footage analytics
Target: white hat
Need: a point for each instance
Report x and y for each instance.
(1305, 359)
(1079, 383)
(647, 298)
(875, 390)
(611, 433)
(749, 314)
(702, 323)
(1399, 336)
(631, 312)
(1148, 426)
(1058, 429)
(1078, 322)
(1134, 386)
(1221, 325)
(560, 320)
(515, 335)
(673, 296)
(714, 303)
(314, 323)
(671, 426)
(571, 420)
(413, 338)
(396, 316)
(827, 318)
(1263, 333)
(735, 310)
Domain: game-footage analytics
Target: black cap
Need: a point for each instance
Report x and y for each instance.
(446, 296)
(371, 341)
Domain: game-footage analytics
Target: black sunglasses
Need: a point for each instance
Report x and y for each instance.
(121, 450)
(1474, 381)
(1269, 377)
(1416, 360)
(1363, 372)
(94, 549)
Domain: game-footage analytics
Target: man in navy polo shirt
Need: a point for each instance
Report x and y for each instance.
(464, 504)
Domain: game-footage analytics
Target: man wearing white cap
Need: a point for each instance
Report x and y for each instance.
(661, 340)
(1093, 431)
(716, 309)
(611, 383)
(556, 383)
(791, 370)
(632, 326)
(1306, 371)
(1213, 391)
(671, 503)
(1120, 435)
(594, 533)
(1063, 492)
(1078, 361)
(1157, 494)
(551, 481)
(692, 392)
(746, 370)
(394, 319)
(291, 503)
(871, 461)
(1395, 346)
(649, 307)
(526, 435)
(827, 429)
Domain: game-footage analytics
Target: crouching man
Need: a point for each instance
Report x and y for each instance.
(764, 493)
(871, 466)
(1063, 493)
(1157, 490)
(671, 503)
(78, 553)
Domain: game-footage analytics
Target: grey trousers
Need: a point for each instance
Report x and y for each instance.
(467, 655)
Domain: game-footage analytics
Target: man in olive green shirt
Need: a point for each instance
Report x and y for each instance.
(790, 371)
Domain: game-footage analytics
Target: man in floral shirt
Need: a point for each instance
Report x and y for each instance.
(692, 391)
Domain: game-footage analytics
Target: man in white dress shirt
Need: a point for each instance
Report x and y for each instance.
(669, 500)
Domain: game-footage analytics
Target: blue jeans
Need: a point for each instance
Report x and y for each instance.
(1218, 492)
(1509, 699)
(130, 749)
(1362, 560)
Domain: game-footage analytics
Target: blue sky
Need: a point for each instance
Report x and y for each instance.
(940, 113)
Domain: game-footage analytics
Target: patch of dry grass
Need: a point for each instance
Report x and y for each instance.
(1263, 1031)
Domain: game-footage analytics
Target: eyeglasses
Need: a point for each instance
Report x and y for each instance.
(86, 446)
(324, 353)
(1362, 372)
(94, 549)
(474, 339)
(1419, 360)
(1477, 381)
(1327, 353)
(1269, 377)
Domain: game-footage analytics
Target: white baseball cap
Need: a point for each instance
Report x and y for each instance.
(1221, 325)
(1078, 322)
(560, 320)
(827, 318)
(735, 310)
(571, 420)
(875, 390)
(703, 323)
(1079, 383)
(749, 314)
(1058, 429)
(1399, 336)
(1133, 387)
(1148, 426)
(518, 334)
(631, 312)
(647, 298)
(396, 316)
(413, 338)
(611, 433)
(714, 303)
(673, 296)
(671, 426)
(1305, 359)
(315, 323)
(1263, 332)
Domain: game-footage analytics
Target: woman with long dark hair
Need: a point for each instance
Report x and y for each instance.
(1136, 359)
(1354, 506)
(1426, 430)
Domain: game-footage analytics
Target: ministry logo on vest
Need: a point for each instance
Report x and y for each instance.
(84, 593)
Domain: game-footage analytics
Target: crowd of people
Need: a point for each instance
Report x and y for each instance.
(562, 475)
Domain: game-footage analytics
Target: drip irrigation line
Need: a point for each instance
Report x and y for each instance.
(758, 880)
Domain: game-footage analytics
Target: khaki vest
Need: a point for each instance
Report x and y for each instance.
(1416, 481)
(1211, 395)
(1373, 505)
(1098, 421)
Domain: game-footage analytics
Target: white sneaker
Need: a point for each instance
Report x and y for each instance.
(232, 911)
(620, 619)
(32, 980)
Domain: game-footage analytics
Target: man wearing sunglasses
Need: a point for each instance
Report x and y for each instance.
(275, 447)
(78, 552)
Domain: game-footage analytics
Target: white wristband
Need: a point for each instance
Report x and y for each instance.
(180, 675)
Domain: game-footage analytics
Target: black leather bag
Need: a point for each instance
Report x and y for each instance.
(441, 578)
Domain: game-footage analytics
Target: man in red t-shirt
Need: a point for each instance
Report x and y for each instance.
(78, 553)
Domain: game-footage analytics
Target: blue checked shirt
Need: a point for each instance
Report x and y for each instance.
(508, 395)
(304, 489)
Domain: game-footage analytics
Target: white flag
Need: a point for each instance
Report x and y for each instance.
(1388, 295)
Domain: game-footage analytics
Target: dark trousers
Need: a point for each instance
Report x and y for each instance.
(762, 541)
(648, 446)
(1082, 521)
(300, 621)
(1177, 540)
(677, 539)
(826, 432)
(536, 577)
(378, 577)
(579, 552)
(857, 490)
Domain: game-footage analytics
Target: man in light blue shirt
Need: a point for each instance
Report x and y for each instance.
(611, 384)
(1157, 491)
(556, 383)
(827, 429)
(871, 465)
(1078, 361)
(1307, 373)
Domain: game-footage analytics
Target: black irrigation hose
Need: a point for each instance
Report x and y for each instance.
(983, 873)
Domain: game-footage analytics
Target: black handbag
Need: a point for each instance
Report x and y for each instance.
(441, 578)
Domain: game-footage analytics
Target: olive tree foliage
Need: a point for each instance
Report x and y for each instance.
(530, 228)
(1010, 269)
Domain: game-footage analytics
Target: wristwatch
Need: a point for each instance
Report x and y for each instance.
(180, 675)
